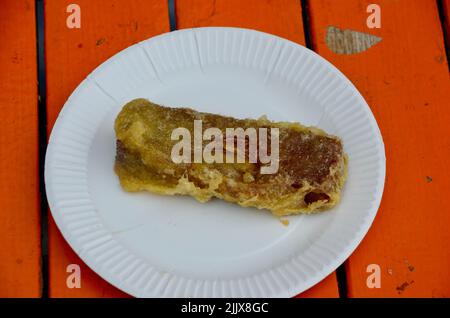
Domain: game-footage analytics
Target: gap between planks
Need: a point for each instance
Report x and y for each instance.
(42, 137)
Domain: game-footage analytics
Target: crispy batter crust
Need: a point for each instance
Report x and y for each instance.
(311, 174)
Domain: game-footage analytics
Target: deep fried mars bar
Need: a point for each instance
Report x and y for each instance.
(311, 171)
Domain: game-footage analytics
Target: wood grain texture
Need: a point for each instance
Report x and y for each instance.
(19, 186)
(71, 54)
(405, 80)
(280, 17)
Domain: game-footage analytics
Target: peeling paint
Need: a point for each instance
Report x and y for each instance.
(349, 41)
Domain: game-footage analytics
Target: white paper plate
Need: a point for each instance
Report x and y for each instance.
(150, 245)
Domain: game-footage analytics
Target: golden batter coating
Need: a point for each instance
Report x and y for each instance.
(311, 173)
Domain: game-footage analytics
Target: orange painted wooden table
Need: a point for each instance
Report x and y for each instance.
(404, 77)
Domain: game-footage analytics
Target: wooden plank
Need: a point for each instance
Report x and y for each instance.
(405, 80)
(282, 18)
(71, 54)
(19, 187)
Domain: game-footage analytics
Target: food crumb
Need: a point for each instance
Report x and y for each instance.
(440, 58)
(400, 289)
(284, 222)
(100, 41)
(429, 179)
(390, 271)
(408, 264)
